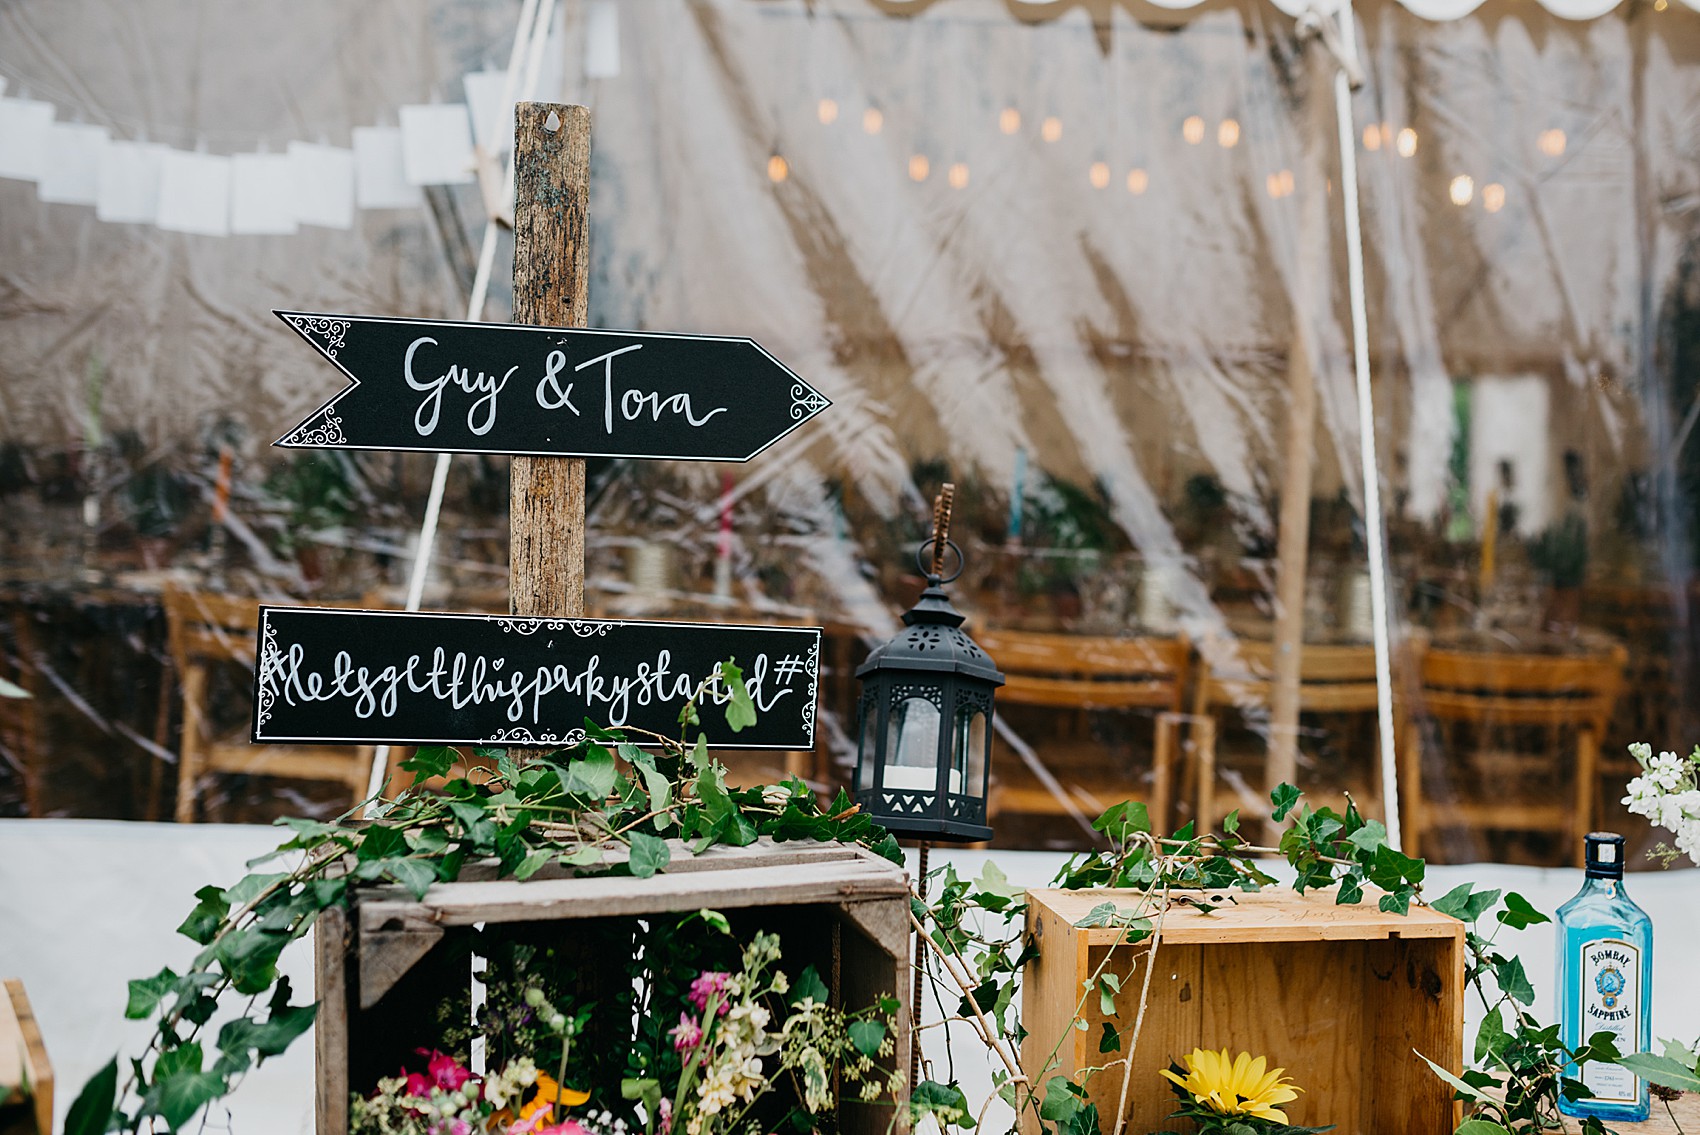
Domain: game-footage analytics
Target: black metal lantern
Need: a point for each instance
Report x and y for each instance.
(925, 753)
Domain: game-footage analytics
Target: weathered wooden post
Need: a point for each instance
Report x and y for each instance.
(551, 289)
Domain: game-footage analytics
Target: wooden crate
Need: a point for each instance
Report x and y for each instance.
(26, 1077)
(382, 962)
(1338, 995)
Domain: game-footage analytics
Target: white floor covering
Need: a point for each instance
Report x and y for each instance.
(86, 905)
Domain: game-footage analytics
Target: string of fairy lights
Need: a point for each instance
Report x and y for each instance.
(1378, 137)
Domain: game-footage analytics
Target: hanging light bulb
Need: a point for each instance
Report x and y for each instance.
(1009, 120)
(1099, 175)
(1407, 142)
(1138, 181)
(872, 120)
(1051, 129)
(1462, 189)
(1552, 142)
(1273, 184)
(958, 175)
(1193, 130)
(1228, 134)
(1493, 197)
(827, 112)
(778, 169)
(1372, 137)
(919, 167)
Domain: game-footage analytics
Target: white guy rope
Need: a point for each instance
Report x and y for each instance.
(1374, 534)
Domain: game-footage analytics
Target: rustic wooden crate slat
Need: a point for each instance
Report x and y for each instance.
(1340, 996)
(378, 960)
(23, 1060)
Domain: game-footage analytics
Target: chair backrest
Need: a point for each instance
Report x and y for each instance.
(205, 627)
(1522, 689)
(1087, 671)
(1331, 678)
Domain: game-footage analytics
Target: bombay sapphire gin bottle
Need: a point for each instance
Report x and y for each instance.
(1605, 981)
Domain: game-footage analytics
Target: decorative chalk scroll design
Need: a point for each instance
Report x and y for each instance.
(333, 331)
(806, 402)
(269, 660)
(583, 628)
(519, 735)
(317, 432)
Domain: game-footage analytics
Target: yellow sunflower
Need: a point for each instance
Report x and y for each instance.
(549, 1093)
(1237, 1085)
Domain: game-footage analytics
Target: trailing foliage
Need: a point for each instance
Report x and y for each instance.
(978, 949)
(602, 806)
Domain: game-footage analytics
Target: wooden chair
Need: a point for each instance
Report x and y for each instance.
(20, 718)
(1332, 679)
(209, 631)
(1491, 692)
(1093, 673)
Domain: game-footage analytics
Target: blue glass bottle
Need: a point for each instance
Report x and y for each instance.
(1605, 981)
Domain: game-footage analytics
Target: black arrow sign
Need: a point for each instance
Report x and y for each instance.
(442, 387)
(333, 675)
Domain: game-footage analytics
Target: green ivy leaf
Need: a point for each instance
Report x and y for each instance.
(1062, 1100)
(1491, 1038)
(180, 1087)
(533, 863)
(1513, 981)
(809, 985)
(1465, 903)
(416, 875)
(1663, 1071)
(1108, 986)
(590, 777)
(203, 922)
(1369, 838)
(649, 855)
(943, 1100)
(428, 761)
(657, 786)
(1231, 822)
(380, 841)
(587, 855)
(249, 957)
(1285, 797)
(740, 711)
(147, 992)
(1111, 1040)
(1351, 891)
(1519, 912)
(270, 1037)
(867, 1036)
(1466, 1090)
(1120, 822)
(91, 1112)
(1480, 1127)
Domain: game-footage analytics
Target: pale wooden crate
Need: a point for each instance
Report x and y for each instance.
(837, 906)
(1343, 997)
(26, 1076)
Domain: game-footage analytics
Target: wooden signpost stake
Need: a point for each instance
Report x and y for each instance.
(551, 288)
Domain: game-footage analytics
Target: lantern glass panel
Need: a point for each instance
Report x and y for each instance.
(968, 772)
(912, 746)
(865, 746)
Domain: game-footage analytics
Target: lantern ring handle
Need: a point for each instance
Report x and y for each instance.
(921, 561)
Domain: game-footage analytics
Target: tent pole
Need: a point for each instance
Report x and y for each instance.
(1374, 532)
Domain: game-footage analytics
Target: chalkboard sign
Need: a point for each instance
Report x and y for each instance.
(334, 675)
(444, 387)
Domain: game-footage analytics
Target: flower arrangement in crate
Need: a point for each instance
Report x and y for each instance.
(751, 1051)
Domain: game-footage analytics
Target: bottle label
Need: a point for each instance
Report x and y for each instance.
(1611, 1002)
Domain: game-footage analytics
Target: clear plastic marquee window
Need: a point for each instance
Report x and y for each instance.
(1085, 261)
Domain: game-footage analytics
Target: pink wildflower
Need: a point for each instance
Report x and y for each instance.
(445, 1071)
(417, 1084)
(686, 1035)
(708, 983)
(666, 1110)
